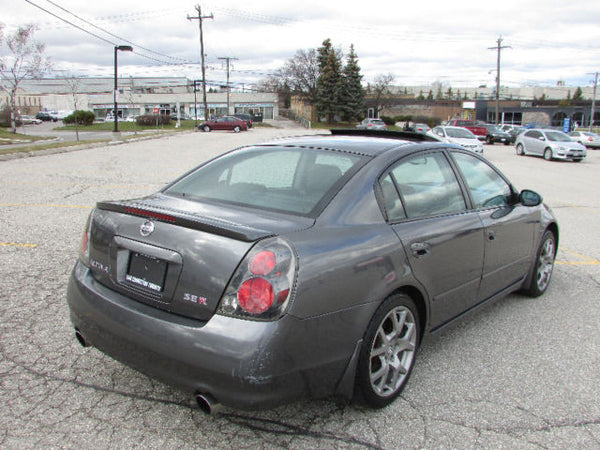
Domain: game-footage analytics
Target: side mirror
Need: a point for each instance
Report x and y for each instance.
(530, 198)
(542, 138)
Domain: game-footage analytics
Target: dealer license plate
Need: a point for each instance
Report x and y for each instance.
(146, 271)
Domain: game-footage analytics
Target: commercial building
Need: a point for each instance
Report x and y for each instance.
(139, 96)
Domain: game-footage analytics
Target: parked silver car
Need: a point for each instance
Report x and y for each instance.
(460, 136)
(586, 138)
(372, 124)
(551, 144)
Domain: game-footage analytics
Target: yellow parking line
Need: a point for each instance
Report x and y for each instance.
(44, 205)
(585, 208)
(16, 244)
(586, 260)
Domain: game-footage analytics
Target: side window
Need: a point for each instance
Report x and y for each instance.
(391, 200)
(428, 186)
(487, 187)
(533, 134)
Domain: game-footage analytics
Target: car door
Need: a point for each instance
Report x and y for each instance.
(220, 124)
(533, 142)
(509, 227)
(442, 238)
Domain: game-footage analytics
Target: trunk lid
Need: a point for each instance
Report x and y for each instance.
(175, 254)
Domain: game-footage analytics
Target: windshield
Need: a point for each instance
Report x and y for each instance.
(292, 180)
(557, 136)
(460, 133)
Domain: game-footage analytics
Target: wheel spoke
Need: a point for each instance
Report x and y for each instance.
(379, 378)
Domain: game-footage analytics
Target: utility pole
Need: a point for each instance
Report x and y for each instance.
(196, 102)
(200, 18)
(227, 59)
(593, 102)
(498, 48)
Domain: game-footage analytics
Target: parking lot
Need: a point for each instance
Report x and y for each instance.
(522, 373)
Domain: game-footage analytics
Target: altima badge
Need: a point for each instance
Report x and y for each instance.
(147, 228)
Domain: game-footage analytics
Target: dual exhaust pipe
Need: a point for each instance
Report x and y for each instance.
(206, 402)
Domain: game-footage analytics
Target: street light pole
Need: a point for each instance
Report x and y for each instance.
(123, 48)
(593, 103)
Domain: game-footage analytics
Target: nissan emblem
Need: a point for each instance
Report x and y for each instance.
(147, 228)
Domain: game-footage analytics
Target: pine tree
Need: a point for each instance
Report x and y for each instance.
(352, 93)
(329, 84)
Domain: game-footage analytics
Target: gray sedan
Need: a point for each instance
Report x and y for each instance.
(308, 266)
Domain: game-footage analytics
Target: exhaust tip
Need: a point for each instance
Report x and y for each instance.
(207, 403)
(80, 338)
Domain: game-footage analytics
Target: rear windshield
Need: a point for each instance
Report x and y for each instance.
(460, 133)
(292, 180)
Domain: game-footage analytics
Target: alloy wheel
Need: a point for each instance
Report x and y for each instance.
(392, 351)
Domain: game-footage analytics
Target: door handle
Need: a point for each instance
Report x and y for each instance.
(491, 236)
(420, 249)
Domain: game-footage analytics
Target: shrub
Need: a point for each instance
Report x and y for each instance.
(82, 117)
(388, 120)
(150, 120)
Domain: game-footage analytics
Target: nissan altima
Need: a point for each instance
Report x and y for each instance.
(305, 267)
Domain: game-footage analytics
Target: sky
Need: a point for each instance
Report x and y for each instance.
(451, 42)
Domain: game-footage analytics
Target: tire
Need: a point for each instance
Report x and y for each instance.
(489, 140)
(206, 128)
(543, 265)
(520, 150)
(548, 154)
(388, 352)
(236, 129)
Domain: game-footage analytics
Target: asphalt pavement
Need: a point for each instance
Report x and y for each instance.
(522, 373)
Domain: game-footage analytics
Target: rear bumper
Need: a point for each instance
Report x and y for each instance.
(243, 364)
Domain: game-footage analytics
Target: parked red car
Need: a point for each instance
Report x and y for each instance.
(224, 123)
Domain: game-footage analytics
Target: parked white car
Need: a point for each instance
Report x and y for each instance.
(458, 135)
(586, 138)
(551, 144)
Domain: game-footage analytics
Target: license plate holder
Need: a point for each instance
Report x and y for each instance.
(146, 271)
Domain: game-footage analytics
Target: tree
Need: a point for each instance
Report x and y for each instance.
(578, 95)
(297, 77)
(353, 93)
(381, 91)
(73, 86)
(330, 82)
(25, 60)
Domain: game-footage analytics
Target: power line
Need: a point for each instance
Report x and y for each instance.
(111, 34)
(100, 37)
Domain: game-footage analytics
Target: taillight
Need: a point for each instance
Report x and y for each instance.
(262, 286)
(84, 251)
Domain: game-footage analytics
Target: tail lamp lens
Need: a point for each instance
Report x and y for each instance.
(263, 263)
(84, 251)
(262, 286)
(256, 295)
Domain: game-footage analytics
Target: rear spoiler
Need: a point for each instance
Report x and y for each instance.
(405, 135)
(202, 223)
